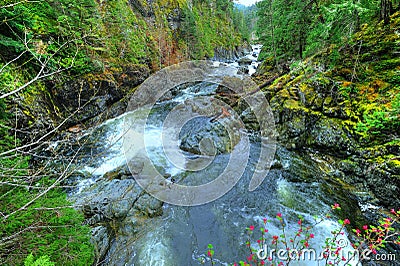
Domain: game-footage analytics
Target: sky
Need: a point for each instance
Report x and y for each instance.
(246, 2)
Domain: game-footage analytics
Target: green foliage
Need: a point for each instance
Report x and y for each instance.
(380, 121)
(3, 113)
(127, 39)
(348, 91)
(242, 22)
(41, 261)
(47, 227)
(56, 31)
(294, 29)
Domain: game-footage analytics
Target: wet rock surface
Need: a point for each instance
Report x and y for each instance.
(215, 132)
(244, 61)
(116, 209)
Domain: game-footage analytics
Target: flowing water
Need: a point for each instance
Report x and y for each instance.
(181, 235)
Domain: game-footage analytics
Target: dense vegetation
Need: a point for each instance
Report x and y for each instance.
(297, 29)
(351, 46)
(46, 43)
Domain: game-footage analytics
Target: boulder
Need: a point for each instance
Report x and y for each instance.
(214, 131)
(244, 61)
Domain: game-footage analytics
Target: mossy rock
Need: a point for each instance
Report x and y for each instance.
(394, 166)
(292, 104)
(329, 135)
(308, 93)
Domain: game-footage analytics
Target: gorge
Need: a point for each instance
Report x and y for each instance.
(71, 72)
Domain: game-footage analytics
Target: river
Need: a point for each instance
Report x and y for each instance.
(179, 235)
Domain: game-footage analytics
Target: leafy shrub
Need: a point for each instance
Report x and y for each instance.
(41, 261)
(46, 227)
(380, 120)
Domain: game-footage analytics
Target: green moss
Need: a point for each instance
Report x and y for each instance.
(281, 81)
(392, 63)
(292, 104)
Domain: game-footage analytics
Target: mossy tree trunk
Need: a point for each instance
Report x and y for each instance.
(386, 10)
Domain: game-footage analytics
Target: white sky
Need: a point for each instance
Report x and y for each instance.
(246, 2)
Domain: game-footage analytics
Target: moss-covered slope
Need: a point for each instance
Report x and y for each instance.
(344, 103)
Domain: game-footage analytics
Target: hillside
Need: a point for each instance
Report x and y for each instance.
(344, 104)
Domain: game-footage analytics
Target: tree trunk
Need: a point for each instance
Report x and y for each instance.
(386, 11)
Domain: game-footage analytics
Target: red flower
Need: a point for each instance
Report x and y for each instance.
(346, 221)
(265, 220)
(275, 237)
(365, 227)
(299, 222)
(209, 253)
(393, 211)
(358, 232)
(251, 227)
(306, 244)
(336, 206)
(266, 230)
(262, 262)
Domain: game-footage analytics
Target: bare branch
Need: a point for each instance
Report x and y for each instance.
(17, 3)
(30, 187)
(41, 74)
(60, 179)
(13, 60)
(41, 138)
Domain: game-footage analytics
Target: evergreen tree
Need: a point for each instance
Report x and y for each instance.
(292, 29)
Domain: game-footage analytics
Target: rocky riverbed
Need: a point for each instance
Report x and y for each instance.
(310, 171)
